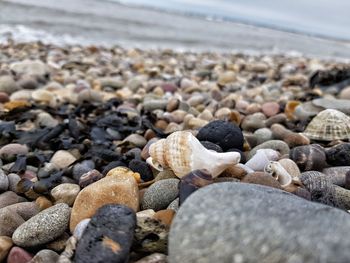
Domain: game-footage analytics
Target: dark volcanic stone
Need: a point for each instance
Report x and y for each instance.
(225, 134)
(108, 236)
(142, 168)
(211, 146)
(339, 155)
(253, 223)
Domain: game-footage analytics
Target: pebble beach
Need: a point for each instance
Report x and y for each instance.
(111, 154)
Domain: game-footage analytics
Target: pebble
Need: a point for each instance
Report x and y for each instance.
(226, 77)
(30, 67)
(10, 151)
(345, 94)
(174, 205)
(262, 135)
(202, 223)
(154, 258)
(261, 178)
(44, 119)
(338, 155)
(276, 145)
(142, 168)
(19, 255)
(25, 209)
(270, 109)
(80, 228)
(45, 256)
(59, 244)
(82, 168)
(225, 134)
(13, 181)
(89, 178)
(5, 246)
(108, 236)
(62, 159)
(114, 189)
(4, 182)
(336, 104)
(254, 122)
(65, 193)
(160, 194)
(7, 84)
(9, 222)
(46, 226)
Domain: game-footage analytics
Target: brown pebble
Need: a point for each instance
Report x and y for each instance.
(43, 203)
(165, 216)
(4, 97)
(234, 172)
(262, 179)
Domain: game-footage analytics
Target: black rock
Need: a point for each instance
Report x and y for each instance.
(211, 146)
(225, 134)
(339, 155)
(142, 168)
(108, 236)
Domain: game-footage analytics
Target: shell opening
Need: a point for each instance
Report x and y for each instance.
(155, 165)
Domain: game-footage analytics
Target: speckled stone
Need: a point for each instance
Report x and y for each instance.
(224, 228)
(44, 227)
(45, 256)
(174, 205)
(160, 194)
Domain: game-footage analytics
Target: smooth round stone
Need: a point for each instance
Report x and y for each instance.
(89, 178)
(336, 104)
(22, 94)
(44, 227)
(262, 135)
(345, 94)
(224, 228)
(44, 119)
(81, 168)
(118, 188)
(108, 237)
(10, 198)
(4, 182)
(62, 159)
(65, 193)
(45, 256)
(174, 205)
(11, 150)
(80, 228)
(13, 181)
(225, 134)
(5, 246)
(9, 221)
(30, 67)
(25, 209)
(4, 97)
(226, 77)
(7, 84)
(253, 122)
(89, 96)
(160, 194)
(19, 255)
(276, 145)
(154, 258)
(151, 105)
(270, 109)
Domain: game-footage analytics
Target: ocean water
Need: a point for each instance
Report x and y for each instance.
(248, 26)
(324, 18)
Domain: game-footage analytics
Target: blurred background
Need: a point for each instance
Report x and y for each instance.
(312, 27)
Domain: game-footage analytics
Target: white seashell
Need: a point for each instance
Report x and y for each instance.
(262, 158)
(279, 173)
(182, 153)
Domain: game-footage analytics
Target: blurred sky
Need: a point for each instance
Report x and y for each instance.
(328, 18)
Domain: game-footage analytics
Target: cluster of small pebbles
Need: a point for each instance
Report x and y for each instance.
(114, 155)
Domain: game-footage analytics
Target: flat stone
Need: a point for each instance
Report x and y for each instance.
(44, 227)
(114, 189)
(336, 104)
(236, 222)
(160, 194)
(5, 246)
(108, 236)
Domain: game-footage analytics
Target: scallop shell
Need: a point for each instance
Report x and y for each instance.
(183, 153)
(329, 125)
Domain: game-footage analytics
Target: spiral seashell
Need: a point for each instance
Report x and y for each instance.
(309, 157)
(183, 153)
(329, 125)
(262, 158)
(279, 173)
(321, 188)
(192, 182)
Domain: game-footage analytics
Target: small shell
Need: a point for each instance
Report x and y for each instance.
(279, 173)
(309, 157)
(329, 125)
(290, 166)
(183, 153)
(192, 182)
(262, 158)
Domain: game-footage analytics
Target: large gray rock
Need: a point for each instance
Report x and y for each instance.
(237, 222)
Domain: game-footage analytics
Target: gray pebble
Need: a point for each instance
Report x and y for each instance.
(160, 194)
(44, 227)
(4, 182)
(44, 256)
(276, 145)
(9, 198)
